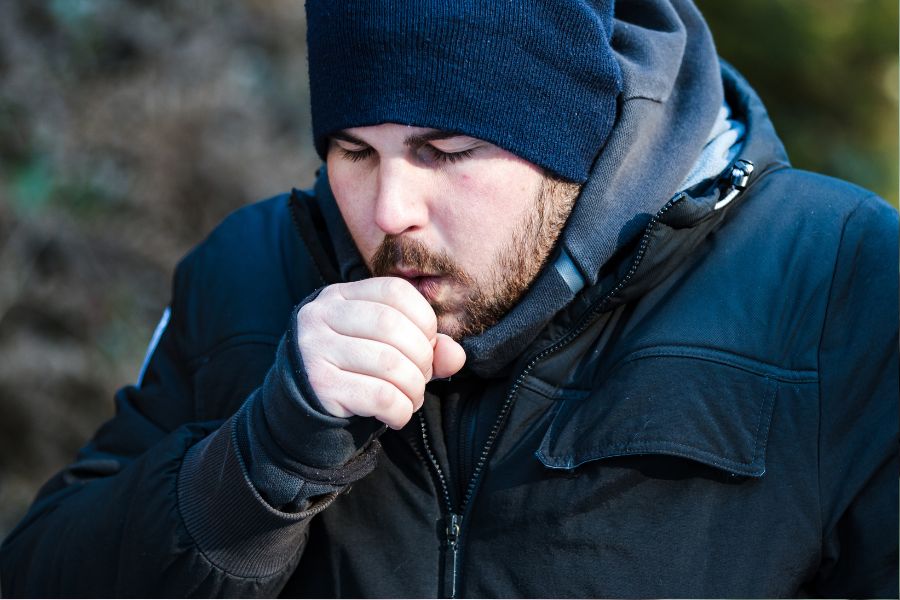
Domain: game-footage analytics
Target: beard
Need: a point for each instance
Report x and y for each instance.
(514, 267)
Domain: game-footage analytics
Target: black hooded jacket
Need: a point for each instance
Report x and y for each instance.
(706, 406)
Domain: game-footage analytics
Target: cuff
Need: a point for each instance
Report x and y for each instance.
(234, 528)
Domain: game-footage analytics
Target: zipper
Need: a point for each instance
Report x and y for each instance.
(453, 525)
(738, 180)
(468, 425)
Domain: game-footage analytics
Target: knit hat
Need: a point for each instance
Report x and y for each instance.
(537, 78)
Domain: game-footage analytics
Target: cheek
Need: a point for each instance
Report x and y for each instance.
(498, 195)
(488, 206)
(349, 189)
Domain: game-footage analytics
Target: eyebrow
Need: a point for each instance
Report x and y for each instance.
(413, 141)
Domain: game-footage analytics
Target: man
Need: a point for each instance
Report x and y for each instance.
(614, 344)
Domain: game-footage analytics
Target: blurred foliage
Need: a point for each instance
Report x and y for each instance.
(128, 129)
(827, 71)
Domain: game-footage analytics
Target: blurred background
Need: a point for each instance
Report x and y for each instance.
(128, 129)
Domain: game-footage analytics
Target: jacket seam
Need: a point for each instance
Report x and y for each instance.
(825, 312)
(232, 341)
(537, 385)
(296, 228)
(650, 444)
(675, 351)
(285, 254)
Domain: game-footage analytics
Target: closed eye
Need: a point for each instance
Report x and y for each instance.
(355, 155)
(431, 155)
(444, 149)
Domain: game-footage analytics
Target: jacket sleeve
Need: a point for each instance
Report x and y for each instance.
(858, 444)
(158, 504)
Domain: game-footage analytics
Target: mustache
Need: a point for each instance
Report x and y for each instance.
(395, 251)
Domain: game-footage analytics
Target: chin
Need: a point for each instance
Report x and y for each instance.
(451, 326)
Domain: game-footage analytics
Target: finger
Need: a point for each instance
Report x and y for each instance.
(395, 292)
(449, 356)
(381, 323)
(344, 394)
(375, 359)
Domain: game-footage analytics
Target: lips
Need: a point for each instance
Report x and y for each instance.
(411, 273)
(427, 284)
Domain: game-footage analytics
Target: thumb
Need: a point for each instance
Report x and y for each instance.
(449, 357)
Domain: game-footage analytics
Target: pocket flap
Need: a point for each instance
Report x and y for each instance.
(703, 409)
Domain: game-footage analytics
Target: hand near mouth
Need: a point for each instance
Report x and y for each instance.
(371, 346)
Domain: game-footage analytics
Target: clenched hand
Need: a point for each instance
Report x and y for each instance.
(370, 347)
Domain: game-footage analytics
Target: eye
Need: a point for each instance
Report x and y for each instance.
(352, 150)
(431, 155)
(355, 155)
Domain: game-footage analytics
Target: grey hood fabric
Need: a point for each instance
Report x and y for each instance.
(670, 106)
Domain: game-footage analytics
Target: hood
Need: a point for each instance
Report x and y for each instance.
(672, 95)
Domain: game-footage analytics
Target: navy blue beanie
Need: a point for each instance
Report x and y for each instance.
(537, 78)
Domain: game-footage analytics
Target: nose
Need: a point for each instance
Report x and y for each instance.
(401, 205)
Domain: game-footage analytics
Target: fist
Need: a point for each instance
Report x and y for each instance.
(369, 348)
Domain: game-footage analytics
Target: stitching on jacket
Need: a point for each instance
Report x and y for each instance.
(228, 343)
(720, 356)
(768, 407)
(652, 447)
(819, 352)
(553, 392)
(302, 230)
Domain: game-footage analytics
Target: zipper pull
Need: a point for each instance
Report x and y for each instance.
(453, 528)
(451, 556)
(740, 175)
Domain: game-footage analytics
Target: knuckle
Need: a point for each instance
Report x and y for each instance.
(384, 397)
(310, 315)
(432, 324)
(325, 295)
(399, 415)
(303, 315)
(305, 341)
(320, 379)
(329, 292)
(418, 389)
(386, 319)
(308, 335)
(394, 286)
(404, 414)
(426, 356)
(387, 361)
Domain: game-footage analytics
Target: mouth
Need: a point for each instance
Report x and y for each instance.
(427, 284)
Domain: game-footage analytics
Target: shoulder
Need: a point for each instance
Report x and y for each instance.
(760, 285)
(244, 278)
(810, 218)
(813, 226)
(818, 199)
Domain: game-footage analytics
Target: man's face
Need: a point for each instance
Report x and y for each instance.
(466, 222)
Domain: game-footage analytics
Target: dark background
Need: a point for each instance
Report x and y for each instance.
(128, 129)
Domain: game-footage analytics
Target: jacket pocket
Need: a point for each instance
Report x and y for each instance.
(704, 405)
